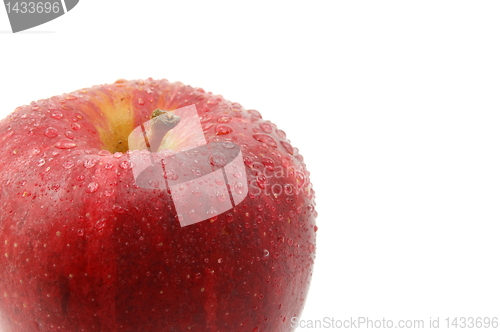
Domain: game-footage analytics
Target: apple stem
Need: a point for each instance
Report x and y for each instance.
(161, 123)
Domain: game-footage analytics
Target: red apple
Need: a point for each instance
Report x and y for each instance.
(84, 246)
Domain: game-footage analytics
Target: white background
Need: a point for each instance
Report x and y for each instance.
(395, 106)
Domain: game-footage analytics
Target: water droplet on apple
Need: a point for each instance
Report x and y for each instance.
(100, 224)
(266, 127)
(68, 164)
(104, 153)
(288, 189)
(315, 228)
(65, 143)
(75, 126)
(221, 197)
(281, 133)
(80, 232)
(154, 183)
(118, 209)
(311, 248)
(224, 119)
(288, 147)
(228, 145)
(205, 117)
(217, 159)
(140, 101)
(170, 175)
(261, 181)
(51, 106)
(57, 115)
(69, 134)
(223, 129)
(196, 192)
(300, 179)
(268, 163)
(255, 113)
(109, 192)
(266, 253)
(108, 166)
(125, 164)
(196, 171)
(290, 242)
(41, 162)
(237, 175)
(51, 132)
(266, 139)
(239, 188)
(92, 187)
(117, 155)
(219, 260)
(249, 160)
(89, 163)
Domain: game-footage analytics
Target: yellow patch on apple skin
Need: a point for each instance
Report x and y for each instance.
(120, 114)
(111, 109)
